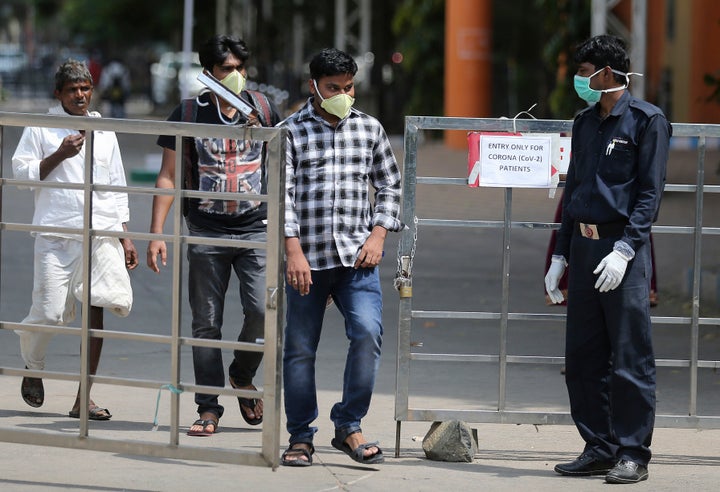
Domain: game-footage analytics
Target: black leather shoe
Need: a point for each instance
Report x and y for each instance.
(584, 465)
(627, 472)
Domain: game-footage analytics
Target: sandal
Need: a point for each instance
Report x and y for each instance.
(247, 403)
(94, 413)
(204, 432)
(357, 454)
(298, 453)
(32, 391)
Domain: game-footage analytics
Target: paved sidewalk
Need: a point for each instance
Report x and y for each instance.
(510, 457)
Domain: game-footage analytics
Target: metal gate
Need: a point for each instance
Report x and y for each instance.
(408, 314)
(270, 346)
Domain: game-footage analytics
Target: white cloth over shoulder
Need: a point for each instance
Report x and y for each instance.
(58, 286)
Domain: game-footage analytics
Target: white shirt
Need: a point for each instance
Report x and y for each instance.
(62, 207)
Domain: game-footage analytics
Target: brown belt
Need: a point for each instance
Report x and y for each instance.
(601, 231)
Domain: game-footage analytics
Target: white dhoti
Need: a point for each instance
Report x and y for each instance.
(58, 285)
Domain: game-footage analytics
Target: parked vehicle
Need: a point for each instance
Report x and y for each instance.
(12, 61)
(168, 78)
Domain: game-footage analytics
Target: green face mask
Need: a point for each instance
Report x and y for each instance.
(583, 89)
(587, 93)
(338, 105)
(234, 81)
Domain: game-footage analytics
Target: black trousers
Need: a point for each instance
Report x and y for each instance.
(610, 365)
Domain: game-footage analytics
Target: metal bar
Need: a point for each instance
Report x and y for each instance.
(403, 411)
(131, 126)
(546, 418)
(177, 278)
(220, 195)
(489, 416)
(275, 304)
(2, 200)
(542, 359)
(85, 340)
(275, 199)
(185, 452)
(697, 272)
(405, 250)
(505, 301)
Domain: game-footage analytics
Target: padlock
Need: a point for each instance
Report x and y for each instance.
(406, 290)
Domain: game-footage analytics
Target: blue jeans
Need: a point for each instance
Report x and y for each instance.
(358, 296)
(209, 274)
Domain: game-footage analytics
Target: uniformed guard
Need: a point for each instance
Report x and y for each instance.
(612, 196)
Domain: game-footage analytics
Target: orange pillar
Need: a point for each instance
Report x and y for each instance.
(467, 63)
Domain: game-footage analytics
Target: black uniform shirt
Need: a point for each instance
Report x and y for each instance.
(617, 170)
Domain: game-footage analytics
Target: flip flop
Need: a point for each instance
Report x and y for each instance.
(32, 391)
(249, 403)
(298, 452)
(94, 413)
(204, 432)
(357, 454)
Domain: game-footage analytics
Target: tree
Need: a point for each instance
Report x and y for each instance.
(420, 29)
(114, 25)
(567, 23)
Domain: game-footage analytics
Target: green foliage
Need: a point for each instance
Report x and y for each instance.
(419, 26)
(567, 23)
(115, 24)
(531, 38)
(519, 74)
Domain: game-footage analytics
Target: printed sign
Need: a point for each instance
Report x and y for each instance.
(474, 155)
(515, 161)
(501, 159)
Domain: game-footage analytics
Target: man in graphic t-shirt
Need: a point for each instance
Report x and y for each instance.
(220, 165)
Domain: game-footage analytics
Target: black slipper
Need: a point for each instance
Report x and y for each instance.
(298, 452)
(32, 391)
(204, 432)
(249, 403)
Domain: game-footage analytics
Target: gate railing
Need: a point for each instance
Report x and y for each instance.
(406, 251)
(270, 346)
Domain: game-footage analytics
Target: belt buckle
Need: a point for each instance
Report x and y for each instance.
(589, 231)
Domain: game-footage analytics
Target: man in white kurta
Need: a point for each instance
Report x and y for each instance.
(58, 155)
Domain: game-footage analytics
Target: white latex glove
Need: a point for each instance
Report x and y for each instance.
(552, 279)
(613, 270)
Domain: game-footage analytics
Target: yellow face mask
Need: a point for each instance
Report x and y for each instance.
(338, 105)
(234, 81)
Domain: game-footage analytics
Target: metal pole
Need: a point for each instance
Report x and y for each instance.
(220, 16)
(638, 46)
(187, 43)
(697, 277)
(340, 24)
(598, 20)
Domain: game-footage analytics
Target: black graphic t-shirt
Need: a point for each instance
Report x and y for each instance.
(223, 165)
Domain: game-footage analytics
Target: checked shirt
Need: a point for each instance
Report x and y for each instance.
(328, 172)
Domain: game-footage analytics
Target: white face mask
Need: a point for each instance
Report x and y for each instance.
(339, 105)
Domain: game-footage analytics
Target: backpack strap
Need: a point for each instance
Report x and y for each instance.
(188, 114)
(189, 110)
(261, 102)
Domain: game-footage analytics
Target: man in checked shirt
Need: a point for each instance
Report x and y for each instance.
(334, 243)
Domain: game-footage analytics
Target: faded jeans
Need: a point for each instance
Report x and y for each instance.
(209, 275)
(358, 296)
